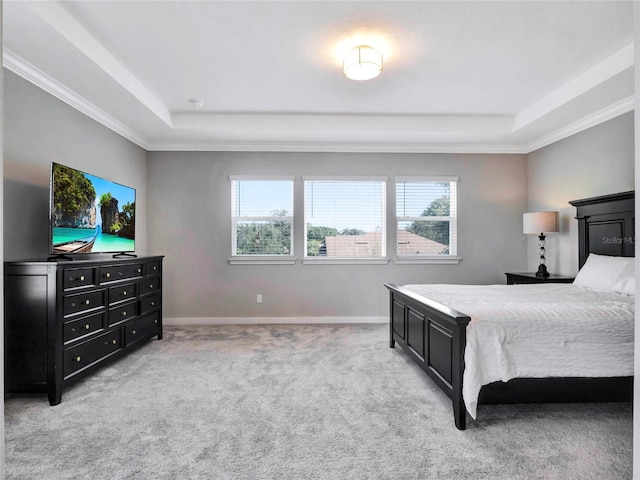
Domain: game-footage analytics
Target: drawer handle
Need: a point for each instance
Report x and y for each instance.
(139, 270)
(77, 359)
(153, 304)
(133, 332)
(87, 301)
(124, 314)
(114, 342)
(155, 321)
(155, 268)
(87, 326)
(124, 294)
(82, 278)
(151, 285)
(108, 275)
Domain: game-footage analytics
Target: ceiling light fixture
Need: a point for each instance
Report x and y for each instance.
(362, 63)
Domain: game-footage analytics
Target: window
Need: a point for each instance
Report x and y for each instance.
(262, 216)
(345, 218)
(426, 216)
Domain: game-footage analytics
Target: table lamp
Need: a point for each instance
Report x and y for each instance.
(539, 223)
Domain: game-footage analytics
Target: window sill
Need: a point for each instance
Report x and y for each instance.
(285, 260)
(427, 261)
(345, 261)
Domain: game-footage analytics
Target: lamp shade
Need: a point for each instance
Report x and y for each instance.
(362, 63)
(539, 222)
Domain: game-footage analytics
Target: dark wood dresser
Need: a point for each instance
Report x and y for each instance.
(65, 319)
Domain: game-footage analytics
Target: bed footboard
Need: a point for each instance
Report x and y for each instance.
(434, 336)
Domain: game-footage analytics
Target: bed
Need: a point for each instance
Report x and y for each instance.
(431, 324)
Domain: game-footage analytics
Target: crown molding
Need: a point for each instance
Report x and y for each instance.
(411, 126)
(612, 111)
(24, 69)
(334, 147)
(598, 74)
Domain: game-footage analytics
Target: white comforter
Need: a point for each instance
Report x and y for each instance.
(541, 330)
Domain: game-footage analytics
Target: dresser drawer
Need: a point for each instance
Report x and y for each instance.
(149, 304)
(153, 268)
(83, 355)
(122, 312)
(121, 293)
(141, 328)
(149, 285)
(78, 277)
(81, 302)
(113, 273)
(83, 326)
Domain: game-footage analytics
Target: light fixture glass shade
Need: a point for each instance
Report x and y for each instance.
(362, 63)
(539, 222)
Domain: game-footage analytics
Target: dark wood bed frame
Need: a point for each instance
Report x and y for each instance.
(434, 335)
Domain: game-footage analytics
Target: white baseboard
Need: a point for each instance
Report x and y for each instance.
(269, 320)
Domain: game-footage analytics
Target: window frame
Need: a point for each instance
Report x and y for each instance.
(383, 259)
(258, 259)
(452, 218)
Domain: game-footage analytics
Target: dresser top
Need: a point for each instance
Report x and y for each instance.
(92, 260)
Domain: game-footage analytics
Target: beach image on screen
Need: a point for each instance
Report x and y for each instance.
(90, 214)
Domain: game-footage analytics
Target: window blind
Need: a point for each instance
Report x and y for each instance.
(345, 218)
(426, 212)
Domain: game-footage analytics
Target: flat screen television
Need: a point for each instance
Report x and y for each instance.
(89, 214)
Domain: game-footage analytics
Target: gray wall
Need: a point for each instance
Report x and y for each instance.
(38, 130)
(189, 222)
(597, 161)
(187, 197)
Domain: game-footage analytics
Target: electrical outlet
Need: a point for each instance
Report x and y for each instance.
(259, 298)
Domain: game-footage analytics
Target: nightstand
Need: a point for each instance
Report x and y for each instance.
(530, 277)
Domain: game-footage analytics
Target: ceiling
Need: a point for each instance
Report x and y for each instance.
(476, 76)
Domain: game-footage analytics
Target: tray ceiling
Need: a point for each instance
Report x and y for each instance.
(458, 76)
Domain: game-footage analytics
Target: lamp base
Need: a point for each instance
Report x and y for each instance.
(542, 271)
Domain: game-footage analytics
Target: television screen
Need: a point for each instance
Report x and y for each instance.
(90, 214)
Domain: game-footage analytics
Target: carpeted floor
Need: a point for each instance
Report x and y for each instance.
(297, 402)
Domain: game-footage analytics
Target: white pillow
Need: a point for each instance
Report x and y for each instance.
(627, 280)
(602, 272)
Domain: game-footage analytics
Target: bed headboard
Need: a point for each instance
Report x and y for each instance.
(606, 225)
